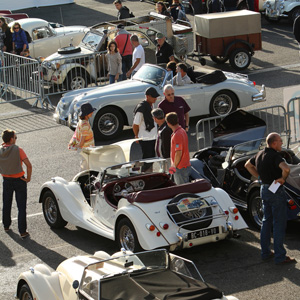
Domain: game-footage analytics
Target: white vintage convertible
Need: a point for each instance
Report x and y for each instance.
(46, 39)
(150, 275)
(136, 203)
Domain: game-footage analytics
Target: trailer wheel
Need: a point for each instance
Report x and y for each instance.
(218, 59)
(240, 59)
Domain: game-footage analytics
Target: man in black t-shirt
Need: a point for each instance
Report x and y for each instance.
(270, 167)
(164, 51)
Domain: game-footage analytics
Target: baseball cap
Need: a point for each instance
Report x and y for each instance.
(159, 35)
(151, 91)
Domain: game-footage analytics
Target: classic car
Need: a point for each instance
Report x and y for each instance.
(115, 102)
(136, 203)
(237, 138)
(151, 275)
(46, 39)
(281, 9)
(76, 67)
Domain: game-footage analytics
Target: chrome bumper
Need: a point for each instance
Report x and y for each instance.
(261, 96)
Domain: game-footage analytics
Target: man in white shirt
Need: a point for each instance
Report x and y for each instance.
(181, 78)
(144, 127)
(138, 55)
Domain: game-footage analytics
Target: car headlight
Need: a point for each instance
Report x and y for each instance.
(281, 6)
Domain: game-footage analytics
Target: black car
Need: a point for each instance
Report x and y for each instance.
(238, 137)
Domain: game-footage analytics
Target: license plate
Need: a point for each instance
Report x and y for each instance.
(203, 233)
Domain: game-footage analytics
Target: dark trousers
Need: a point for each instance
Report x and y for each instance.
(17, 185)
(148, 149)
(126, 65)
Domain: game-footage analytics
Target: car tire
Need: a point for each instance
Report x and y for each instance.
(294, 14)
(185, 217)
(25, 293)
(240, 59)
(108, 123)
(223, 103)
(51, 211)
(127, 237)
(77, 79)
(255, 209)
(69, 50)
(218, 59)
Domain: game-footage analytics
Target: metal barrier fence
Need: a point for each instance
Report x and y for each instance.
(74, 72)
(274, 116)
(293, 118)
(16, 81)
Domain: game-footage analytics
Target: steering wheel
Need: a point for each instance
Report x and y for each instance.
(121, 193)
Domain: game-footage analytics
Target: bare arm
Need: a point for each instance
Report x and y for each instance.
(133, 67)
(136, 129)
(251, 169)
(285, 172)
(177, 158)
(187, 121)
(28, 169)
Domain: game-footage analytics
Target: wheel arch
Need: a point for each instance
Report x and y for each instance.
(125, 118)
(229, 48)
(230, 91)
(42, 193)
(254, 186)
(80, 69)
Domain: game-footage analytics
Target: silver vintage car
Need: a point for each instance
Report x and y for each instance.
(115, 102)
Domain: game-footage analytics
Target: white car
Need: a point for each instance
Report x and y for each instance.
(281, 9)
(218, 94)
(136, 203)
(152, 275)
(46, 39)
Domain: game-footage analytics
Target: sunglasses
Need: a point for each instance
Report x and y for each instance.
(16, 28)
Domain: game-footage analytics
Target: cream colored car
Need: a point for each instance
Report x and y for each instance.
(46, 39)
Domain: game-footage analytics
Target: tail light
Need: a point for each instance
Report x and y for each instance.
(164, 226)
(150, 227)
(233, 210)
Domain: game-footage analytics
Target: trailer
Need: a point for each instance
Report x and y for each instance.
(232, 36)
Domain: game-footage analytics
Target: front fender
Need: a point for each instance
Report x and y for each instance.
(147, 239)
(43, 284)
(254, 185)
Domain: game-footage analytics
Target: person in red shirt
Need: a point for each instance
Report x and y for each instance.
(11, 159)
(180, 155)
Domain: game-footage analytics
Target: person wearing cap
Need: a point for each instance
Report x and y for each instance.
(125, 48)
(164, 51)
(83, 136)
(144, 127)
(138, 56)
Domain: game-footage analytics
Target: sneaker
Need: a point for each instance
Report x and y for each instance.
(271, 255)
(288, 260)
(6, 229)
(24, 235)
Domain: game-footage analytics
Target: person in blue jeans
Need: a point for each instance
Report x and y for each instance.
(14, 181)
(269, 166)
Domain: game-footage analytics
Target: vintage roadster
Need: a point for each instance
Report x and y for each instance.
(151, 275)
(237, 138)
(136, 203)
(115, 103)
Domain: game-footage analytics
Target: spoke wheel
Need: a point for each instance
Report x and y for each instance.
(223, 103)
(25, 293)
(255, 209)
(51, 211)
(108, 123)
(126, 236)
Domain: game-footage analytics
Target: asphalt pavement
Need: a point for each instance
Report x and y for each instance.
(232, 265)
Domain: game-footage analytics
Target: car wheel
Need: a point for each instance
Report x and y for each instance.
(240, 59)
(108, 123)
(77, 79)
(255, 209)
(25, 293)
(69, 50)
(223, 103)
(127, 237)
(294, 14)
(180, 218)
(51, 211)
(219, 59)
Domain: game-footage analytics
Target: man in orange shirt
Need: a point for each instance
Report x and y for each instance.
(11, 159)
(180, 156)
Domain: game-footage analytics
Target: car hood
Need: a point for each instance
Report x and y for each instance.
(102, 157)
(238, 127)
(70, 29)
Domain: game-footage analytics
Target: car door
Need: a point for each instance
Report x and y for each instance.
(44, 41)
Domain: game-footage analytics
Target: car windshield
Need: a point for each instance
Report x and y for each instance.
(252, 147)
(135, 168)
(119, 275)
(92, 39)
(151, 74)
